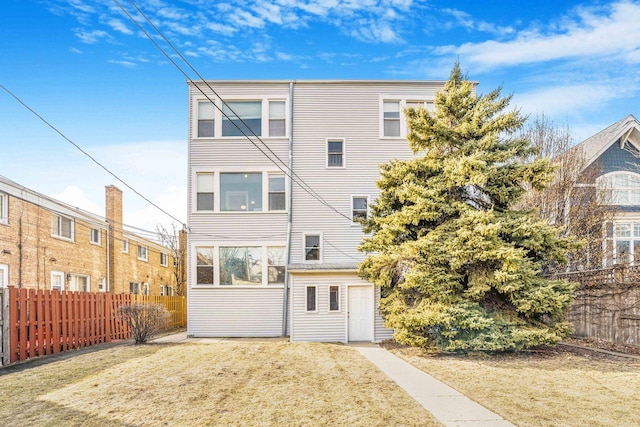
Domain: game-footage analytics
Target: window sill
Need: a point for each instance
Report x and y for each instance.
(63, 238)
(202, 213)
(143, 260)
(280, 286)
(96, 244)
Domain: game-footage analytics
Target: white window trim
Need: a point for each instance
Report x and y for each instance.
(99, 242)
(217, 194)
(125, 246)
(601, 184)
(73, 228)
(304, 247)
(631, 221)
(427, 99)
(4, 272)
(4, 208)
(166, 259)
(102, 285)
(146, 258)
(306, 290)
(75, 285)
(216, 263)
(217, 123)
(339, 299)
(344, 153)
(58, 274)
(353, 223)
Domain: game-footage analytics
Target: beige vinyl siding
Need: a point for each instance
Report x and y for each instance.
(325, 325)
(235, 312)
(350, 111)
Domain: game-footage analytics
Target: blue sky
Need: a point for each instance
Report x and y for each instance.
(86, 68)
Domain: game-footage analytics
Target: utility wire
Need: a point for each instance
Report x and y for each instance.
(88, 155)
(289, 172)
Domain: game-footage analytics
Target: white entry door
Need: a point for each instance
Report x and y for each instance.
(360, 313)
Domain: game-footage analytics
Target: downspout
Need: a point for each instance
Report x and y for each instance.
(289, 215)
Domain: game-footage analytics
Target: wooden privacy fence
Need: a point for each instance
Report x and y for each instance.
(607, 305)
(42, 322)
(4, 326)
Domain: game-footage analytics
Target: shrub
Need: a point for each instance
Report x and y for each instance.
(144, 320)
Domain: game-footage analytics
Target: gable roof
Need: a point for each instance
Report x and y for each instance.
(626, 130)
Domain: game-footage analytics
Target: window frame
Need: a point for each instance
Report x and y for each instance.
(284, 118)
(4, 208)
(164, 259)
(608, 191)
(58, 274)
(197, 118)
(339, 299)
(269, 192)
(428, 102)
(4, 276)
(343, 153)
(315, 298)
(215, 267)
(125, 246)
(95, 232)
(630, 235)
(145, 256)
(58, 231)
(304, 247)
(269, 264)
(197, 193)
(73, 285)
(224, 104)
(359, 196)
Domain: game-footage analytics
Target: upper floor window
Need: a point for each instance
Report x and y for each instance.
(95, 236)
(241, 191)
(206, 119)
(125, 246)
(164, 259)
(143, 253)
(335, 153)
(277, 118)
(277, 198)
(620, 188)
(204, 190)
(391, 118)
(359, 207)
(312, 247)
(4, 208)
(242, 117)
(62, 227)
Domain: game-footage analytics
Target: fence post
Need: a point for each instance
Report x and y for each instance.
(5, 325)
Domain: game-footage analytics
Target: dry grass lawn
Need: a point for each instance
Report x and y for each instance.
(230, 383)
(542, 389)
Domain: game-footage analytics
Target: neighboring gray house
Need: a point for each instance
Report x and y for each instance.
(615, 153)
(273, 252)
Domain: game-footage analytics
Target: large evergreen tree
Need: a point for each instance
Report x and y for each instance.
(459, 267)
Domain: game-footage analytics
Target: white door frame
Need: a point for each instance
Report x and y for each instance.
(4, 272)
(371, 288)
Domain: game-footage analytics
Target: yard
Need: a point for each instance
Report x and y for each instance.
(228, 383)
(544, 388)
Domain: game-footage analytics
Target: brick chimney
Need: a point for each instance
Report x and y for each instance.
(113, 213)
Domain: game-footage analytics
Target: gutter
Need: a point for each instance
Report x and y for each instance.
(289, 215)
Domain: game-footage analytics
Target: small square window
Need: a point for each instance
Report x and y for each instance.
(311, 298)
(62, 227)
(334, 298)
(312, 247)
(206, 115)
(204, 266)
(335, 153)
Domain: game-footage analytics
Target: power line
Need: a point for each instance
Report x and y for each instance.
(87, 154)
(289, 172)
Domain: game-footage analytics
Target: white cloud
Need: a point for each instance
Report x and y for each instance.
(119, 26)
(74, 50)
(127, 64)
(91, 37)
(245, 19)
(75, 197)
(590, 34)
(223, 29)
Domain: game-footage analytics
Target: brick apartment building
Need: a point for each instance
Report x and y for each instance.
(48, 244)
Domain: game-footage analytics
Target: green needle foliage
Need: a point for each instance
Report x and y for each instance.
(461, 269)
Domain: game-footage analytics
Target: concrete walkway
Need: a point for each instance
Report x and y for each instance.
(446, 404)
